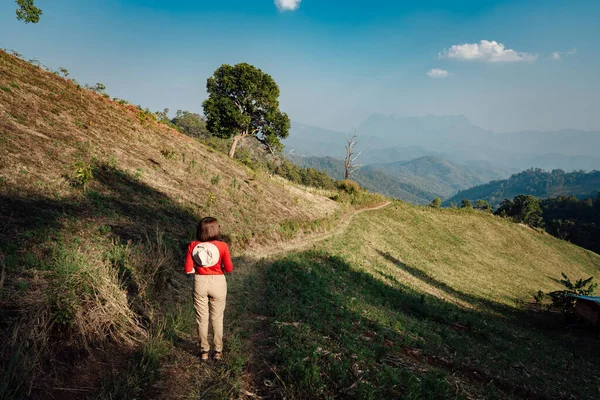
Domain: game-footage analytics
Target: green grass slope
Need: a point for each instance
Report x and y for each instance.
(419, 303)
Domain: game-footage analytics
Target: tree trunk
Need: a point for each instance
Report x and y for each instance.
(234, 144)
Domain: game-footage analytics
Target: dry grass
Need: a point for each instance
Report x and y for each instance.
(447, 252)
(48, 123)
(75, 300)
(93, 268)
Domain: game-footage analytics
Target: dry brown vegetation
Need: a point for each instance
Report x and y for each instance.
(97, 199)
(47, 123)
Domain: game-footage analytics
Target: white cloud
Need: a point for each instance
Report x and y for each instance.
(557, 55)
(486, 51)
(437, 73)
(287, 5)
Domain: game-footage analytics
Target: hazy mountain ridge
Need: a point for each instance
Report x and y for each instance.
(440, 155)
(438, 176)
(536, 182)
(392, 138)
(416, 181)
(370, 178)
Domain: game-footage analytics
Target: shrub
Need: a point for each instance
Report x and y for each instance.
(563, 298)
(145, 115)
(190, 124)
(466, 203)
(348, 186)
(82, 174)
(168, 154)
(436, 203)
(98, 88)
(483, 206)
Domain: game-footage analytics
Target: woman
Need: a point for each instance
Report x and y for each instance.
(208, 258)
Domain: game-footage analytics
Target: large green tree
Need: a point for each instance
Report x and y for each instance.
(523, 208)
(27, 11)
(243, 101)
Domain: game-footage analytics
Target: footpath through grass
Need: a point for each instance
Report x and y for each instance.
(396, 307)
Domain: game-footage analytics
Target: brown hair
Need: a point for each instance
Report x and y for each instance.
(208, 229)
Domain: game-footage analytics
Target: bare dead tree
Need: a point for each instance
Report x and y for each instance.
(350, 157)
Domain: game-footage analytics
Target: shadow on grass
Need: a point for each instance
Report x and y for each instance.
(115, 200)
(338, 332)
(115, 204)
(429, 280)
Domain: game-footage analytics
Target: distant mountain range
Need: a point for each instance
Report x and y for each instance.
(536, 182)
(416, 181)
(440, 155)
(392, 138)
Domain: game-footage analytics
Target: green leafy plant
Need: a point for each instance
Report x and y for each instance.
(215, 179)
(564, 298)
(211, 200)
(28, 12)
(82, 174)
(539, 296)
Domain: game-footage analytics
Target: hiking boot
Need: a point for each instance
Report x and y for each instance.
(217, 355)
(204, 355)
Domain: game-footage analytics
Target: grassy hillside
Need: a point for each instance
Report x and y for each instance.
(97, 203)
(419, 303)
(407, 302)
(536, 182)
(49, 123)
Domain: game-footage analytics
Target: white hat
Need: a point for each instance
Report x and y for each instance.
(205, 254)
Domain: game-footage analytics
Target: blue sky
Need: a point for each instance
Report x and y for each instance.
(336, 61)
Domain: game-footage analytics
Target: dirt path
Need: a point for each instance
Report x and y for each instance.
(249, 322)
(305, 242)
(183, 373)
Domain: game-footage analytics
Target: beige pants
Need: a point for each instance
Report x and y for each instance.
(210, 294)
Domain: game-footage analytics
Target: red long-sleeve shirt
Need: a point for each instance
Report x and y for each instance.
(224, 263)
